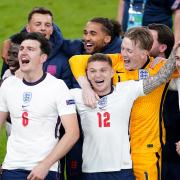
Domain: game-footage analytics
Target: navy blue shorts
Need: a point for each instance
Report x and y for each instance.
(125, 174)
(19, 174)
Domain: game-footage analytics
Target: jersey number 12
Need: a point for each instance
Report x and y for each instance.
(103, 119)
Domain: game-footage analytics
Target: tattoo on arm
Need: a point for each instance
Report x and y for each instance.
(162, 76)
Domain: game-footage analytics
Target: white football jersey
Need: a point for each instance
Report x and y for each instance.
(106, 128)
(34, 109)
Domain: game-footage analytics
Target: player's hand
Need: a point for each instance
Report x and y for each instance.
(39, 172)
(90, 98)
(178, 147)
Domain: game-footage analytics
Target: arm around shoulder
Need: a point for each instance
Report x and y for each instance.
(90, 98)
(78, 65)
(163, 75)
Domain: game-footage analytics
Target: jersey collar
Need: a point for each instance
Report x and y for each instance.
(147, 62)
(36, 82)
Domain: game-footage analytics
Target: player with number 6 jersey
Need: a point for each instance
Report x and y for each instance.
(33, 121)
(34, 104)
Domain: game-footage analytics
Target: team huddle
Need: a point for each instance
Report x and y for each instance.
(91, 109)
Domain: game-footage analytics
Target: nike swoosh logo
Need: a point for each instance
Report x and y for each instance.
(24, 106)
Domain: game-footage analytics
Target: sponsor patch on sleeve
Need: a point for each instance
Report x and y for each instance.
(70, 101)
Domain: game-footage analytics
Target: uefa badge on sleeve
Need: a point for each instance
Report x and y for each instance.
(143, 74)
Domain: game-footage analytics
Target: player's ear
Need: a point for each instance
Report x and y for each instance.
(144, 53)
(162, 48)
(27, 28)
(43, 58)
(107, 39)
(112, 72)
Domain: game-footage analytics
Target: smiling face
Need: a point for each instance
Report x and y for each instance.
(12, 58)
(31, 57)
(95, 39)
(41, 23)
(100, 74)
(134, 57)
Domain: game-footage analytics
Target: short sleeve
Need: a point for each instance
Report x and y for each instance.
(64, 100)
(3, 101)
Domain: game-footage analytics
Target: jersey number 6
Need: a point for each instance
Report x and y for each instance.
(25, 119)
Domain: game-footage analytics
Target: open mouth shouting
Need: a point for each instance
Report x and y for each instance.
(24, 60)
(88, 46)
(127, 63)
(99, 82)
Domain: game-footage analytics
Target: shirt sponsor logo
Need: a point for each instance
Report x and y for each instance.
(143, 74)
(70, 101)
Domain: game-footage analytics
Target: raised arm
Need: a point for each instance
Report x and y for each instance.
(78, 64)
(163, 75)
